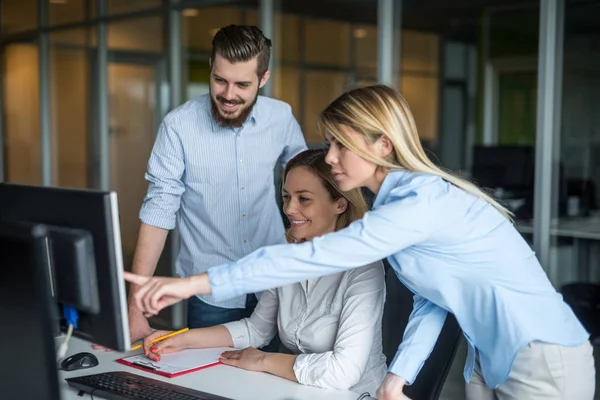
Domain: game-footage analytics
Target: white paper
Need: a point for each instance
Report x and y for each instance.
(181, 361)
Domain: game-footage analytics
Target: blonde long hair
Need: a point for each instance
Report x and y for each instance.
(378, 110)
(314, 161)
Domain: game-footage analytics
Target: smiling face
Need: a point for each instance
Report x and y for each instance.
(234, 90)
(308, 205)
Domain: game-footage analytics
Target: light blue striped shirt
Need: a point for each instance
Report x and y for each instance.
(454, 251)
(218, 183)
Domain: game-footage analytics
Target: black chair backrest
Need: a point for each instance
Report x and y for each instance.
(398, 306)
(584, 299)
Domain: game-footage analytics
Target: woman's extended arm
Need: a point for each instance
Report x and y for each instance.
(406, 221)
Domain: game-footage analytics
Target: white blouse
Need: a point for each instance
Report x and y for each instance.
(333, 323)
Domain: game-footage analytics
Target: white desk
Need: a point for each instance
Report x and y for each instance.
(585, 232)
(577, 228)
(221, 380)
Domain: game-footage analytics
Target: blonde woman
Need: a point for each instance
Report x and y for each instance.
(331, 325)
(449, 242)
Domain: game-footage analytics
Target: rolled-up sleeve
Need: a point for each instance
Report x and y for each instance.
(166, 167)
(257, 330)
(359, 325)
(421, 334)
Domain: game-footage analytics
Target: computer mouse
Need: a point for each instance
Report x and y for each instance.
(79, 361)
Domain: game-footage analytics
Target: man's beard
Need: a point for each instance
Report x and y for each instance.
(236, 122)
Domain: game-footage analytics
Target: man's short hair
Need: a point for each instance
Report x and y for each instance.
(241, 43)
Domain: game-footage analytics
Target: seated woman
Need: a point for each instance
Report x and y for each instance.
(331, 325)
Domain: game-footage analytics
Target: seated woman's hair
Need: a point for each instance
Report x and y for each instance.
(314, 160)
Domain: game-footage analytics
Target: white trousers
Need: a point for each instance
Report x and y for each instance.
(542, 371)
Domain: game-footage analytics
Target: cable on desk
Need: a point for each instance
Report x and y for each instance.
(364, 396)
(62, 349)
(71, 316)
(81, 393)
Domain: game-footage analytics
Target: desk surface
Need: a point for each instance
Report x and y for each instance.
(221, 380)
(578, 228)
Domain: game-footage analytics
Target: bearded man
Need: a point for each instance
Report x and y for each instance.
(211, 171)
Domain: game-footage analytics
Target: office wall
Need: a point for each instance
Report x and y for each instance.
(69, 77)
(420, 81)
(322, 88)
(142, 34)
(18, 15)
(21, 113)
(422, 94)
(132, 101)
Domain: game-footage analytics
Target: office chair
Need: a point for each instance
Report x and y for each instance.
(397, 309)
(584, 299)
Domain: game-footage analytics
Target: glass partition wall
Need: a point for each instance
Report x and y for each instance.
(85, 84)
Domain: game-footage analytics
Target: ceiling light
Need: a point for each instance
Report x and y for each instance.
(360, 33)
(57, 1)
(190, 12)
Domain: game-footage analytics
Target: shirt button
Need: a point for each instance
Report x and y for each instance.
(244, 215)
(245, 241)
(241, 160)
(242, 188)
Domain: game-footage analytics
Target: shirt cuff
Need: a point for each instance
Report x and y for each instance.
(301, 371)
(238, 331)
(157, 219)
(405, 367)
(221, 287)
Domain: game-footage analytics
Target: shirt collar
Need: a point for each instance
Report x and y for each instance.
(391, 180)
(255, 114)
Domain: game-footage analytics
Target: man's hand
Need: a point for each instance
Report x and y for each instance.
(391, 388)
(138, 325)
(250, 359)
(138, 328)
(155, 293)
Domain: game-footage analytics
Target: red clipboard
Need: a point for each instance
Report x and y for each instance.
(165, 374)
(176, 364)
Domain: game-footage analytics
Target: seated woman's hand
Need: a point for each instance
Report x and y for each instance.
(156, 293)
(170, 345)
(391, 388)
(250, 359)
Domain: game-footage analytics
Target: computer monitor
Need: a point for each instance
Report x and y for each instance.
(507, 167)
(95, 212)
(29, 361)
(75, 282)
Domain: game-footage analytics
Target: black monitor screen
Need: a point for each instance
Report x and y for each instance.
(29, 364)
(508, 167)
(95, 212)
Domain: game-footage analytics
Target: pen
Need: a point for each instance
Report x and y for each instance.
(158, 339)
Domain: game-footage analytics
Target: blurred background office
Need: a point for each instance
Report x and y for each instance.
(505, 92)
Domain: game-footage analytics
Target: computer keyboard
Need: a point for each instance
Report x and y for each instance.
(125, 386)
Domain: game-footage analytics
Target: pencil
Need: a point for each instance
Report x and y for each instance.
(158, 339)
